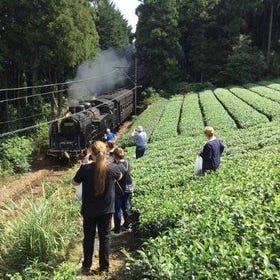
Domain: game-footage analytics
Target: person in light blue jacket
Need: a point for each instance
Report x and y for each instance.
(140, 140)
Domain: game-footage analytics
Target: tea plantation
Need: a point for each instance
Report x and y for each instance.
(224, 225)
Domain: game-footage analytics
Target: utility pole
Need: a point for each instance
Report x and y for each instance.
(120, 68)
(135, 85)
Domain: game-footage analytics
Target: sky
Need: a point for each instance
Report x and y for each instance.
(127, 8)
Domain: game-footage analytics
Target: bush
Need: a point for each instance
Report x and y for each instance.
(35, 235)
(197, 87)
(37, 270)
(41, 139)
(151, 96)
(245, 64)
(16, 153)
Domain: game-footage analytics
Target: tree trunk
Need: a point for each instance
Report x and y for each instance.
(270, 33)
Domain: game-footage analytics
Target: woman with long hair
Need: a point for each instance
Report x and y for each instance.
(98, 195)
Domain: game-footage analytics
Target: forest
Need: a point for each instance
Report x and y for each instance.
(177, 43)
(196, 63)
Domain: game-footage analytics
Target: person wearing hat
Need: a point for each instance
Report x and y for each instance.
(140, 139)
(212, 151)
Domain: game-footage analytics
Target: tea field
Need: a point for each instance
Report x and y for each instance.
(224, 225)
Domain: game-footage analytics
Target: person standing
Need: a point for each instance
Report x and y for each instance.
(110, 151)
(140, 139)
(98, 204)
(109, 136)
(122, 198)
(212, 151)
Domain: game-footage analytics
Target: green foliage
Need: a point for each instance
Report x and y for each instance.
(191, 126)
(245, 64)
(268, 107)
(41, 139)
(16, 153)
(153, 112)
(72, 32)
(151, 96)
(218, 226)
(158, 26)
(113, 29)
(66, 271)
(239, 110)
(36, 235)
(36, 270)
(196, 87)
(45, 39)
(214, 113)
(204, 46)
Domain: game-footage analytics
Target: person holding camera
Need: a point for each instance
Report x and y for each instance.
(140, 139)
(98, 179)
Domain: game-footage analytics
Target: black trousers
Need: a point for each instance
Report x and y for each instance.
(103, 224)
(140, 151)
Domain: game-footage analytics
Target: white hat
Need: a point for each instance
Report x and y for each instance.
(140, 128)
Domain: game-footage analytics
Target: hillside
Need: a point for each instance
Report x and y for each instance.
(223, 225)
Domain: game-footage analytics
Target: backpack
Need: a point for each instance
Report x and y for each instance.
(129, 186)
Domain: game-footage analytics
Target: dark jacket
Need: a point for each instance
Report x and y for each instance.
(126, 179)
(211, 154)
(92, 205)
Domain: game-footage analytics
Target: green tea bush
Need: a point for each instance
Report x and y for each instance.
(229, 228)
(16, 153)
(151, 96)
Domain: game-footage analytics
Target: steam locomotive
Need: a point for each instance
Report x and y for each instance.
(89, 120)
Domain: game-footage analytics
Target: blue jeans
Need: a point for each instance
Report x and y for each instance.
(121, 207)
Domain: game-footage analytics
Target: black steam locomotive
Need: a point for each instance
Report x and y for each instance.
(89, 120)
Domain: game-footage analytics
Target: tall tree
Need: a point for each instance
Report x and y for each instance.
(43, 41)
(47, 34)
(113, 29)
(157, 42)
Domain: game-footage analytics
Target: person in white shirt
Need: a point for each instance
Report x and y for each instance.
(140, 140)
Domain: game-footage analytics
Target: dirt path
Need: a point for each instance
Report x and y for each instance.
(31, 185)
(125, 240)
(28, 184)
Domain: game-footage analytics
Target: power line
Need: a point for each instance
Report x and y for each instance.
(33, 95)
(52, 121)
(57, 84)
(18, 119)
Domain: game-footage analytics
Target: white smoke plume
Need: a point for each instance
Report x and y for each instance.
(105, 73)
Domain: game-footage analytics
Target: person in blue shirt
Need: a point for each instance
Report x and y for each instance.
(212, 151)
(140, 139)
(109, 136)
